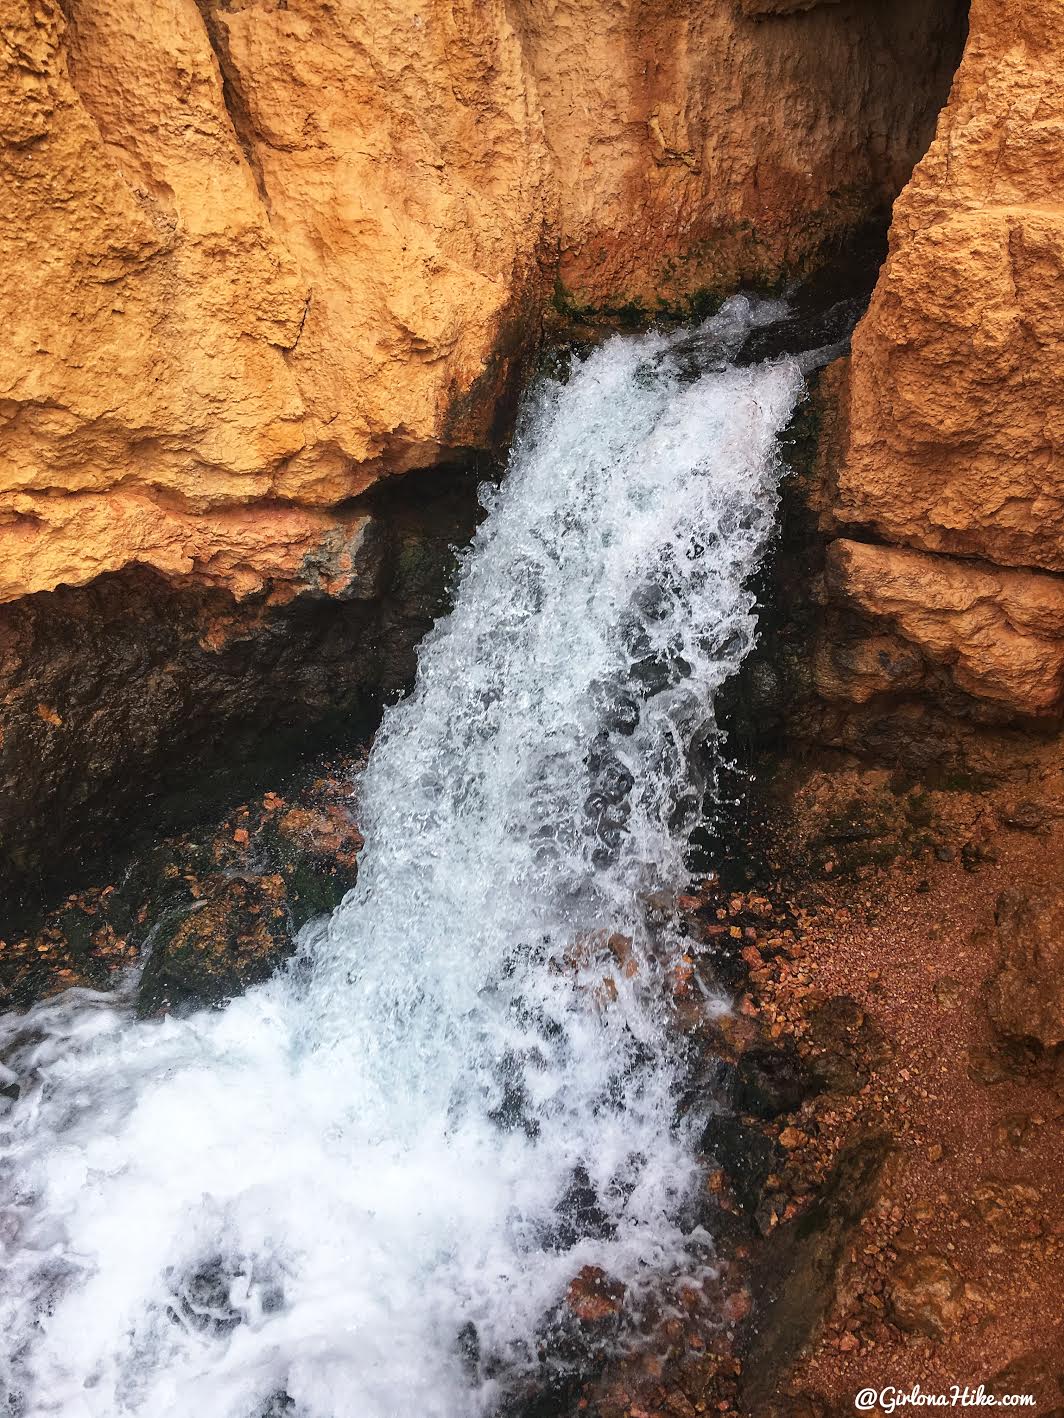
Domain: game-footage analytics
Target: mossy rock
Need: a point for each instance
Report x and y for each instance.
(234, 937)
(287, 863)
(212, 910)
(315, 848)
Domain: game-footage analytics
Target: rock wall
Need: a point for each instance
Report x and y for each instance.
(945, 489)
(128, 704)
(259, 260)
(262, 254)
(697, 146)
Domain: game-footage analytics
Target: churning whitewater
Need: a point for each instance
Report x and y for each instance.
(362, 1189)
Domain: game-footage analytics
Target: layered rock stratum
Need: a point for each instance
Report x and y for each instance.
(951, 459)
(260, 255)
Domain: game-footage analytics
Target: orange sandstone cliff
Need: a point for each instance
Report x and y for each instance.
(949, 484)
(259, 255)
(266, 260)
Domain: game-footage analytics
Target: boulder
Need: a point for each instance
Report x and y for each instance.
(593, 1297)
(234, 937)
(926, 1294)
(1025, 993)
(998, 633)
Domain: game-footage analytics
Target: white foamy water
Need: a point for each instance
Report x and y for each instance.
(426, 1126)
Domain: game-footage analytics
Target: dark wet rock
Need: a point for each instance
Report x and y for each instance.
(554, 1395)
(797, 1272)
(467, 1343)
(582, 1330)
(216, 908)
(316, 848)
(234, 937)
(746, 1153)
(1025, 993)
(830, 328)
(579, 1214)
(574, 1342)
(769, 1080)
(85, 941)
(136, 704)
(808, 326)
(514, 1108)
(278, 1405)
(217, 1294)
(201, 1300)
(594, 1299)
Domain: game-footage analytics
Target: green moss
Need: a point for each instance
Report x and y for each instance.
(626, 313)
(562, 300)
(425, 567)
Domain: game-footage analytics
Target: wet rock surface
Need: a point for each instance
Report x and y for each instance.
(208, 912)
(781, 1193)
(137, 705)
(235, 936)
(1026, 991)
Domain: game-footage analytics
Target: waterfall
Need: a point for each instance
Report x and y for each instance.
(358, 1191)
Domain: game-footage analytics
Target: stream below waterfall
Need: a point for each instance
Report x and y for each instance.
(362, 1189)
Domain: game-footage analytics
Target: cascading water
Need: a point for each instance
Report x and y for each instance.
(454, 1098)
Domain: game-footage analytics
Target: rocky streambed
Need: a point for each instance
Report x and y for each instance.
(888, 1083)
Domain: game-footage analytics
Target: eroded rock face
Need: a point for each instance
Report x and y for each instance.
(760, 8)
(956, 404)
(701, 145)
(260, 255)
(950, 410)
(254, 262)
(1026, 992)
(1000, 633)
(124, 698)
